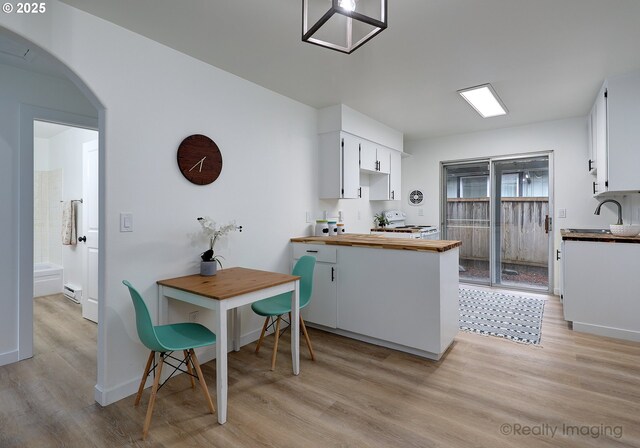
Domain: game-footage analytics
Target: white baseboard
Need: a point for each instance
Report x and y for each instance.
(9, 357)
(105, 397)
(629, 335)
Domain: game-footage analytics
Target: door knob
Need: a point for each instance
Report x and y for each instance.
(82, 239)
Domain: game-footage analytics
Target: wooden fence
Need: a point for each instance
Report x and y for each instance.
(524, 240)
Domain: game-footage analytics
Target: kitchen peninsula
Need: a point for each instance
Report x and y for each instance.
(397, 293)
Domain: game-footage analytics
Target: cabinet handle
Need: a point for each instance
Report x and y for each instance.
(333, 272)
(312, 251)
(359, 192)
(594, 187)
(393, 194)
(590, 164)
(558, 252)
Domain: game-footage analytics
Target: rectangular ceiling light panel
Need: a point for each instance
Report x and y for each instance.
(484, 100)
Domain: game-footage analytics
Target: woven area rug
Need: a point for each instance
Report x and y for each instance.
(505, 315)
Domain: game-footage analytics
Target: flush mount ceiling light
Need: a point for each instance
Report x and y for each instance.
(484, 100)
(342, 25)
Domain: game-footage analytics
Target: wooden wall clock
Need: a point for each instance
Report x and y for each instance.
(199, 159)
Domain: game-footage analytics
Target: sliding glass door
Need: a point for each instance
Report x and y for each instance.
(466, 217)
(500, 209)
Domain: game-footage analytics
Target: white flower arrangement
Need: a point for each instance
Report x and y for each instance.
(212, 231)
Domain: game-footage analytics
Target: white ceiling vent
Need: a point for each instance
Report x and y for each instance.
(416, 197)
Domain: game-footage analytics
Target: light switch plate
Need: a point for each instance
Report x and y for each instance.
(562, 213)
(420, 212)
(126, 222)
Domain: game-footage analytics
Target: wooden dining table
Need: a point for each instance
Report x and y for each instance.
(227, 290)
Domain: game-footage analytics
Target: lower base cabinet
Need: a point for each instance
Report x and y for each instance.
(407, 300)
(600, 290)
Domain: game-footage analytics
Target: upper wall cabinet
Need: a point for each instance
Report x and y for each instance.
(339, 166)
(615, 135)
(350, 142)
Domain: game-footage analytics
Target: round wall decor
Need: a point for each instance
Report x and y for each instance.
(199, 159)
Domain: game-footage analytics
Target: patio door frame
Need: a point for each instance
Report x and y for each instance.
(493, 275)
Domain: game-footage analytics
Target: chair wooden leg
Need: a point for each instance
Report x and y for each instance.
(264, 329)
(152, 400)
(189, 369)
(205, 390)
(306, 337)
(144, 377)
(275, 344)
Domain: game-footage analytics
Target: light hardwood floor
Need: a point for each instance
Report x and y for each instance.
(354, 395)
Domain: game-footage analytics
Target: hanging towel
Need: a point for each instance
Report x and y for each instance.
(69, 224)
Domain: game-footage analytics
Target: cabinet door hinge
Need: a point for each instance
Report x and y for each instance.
(342, 143)
(606, 93)
(342, 192)
(606, 183)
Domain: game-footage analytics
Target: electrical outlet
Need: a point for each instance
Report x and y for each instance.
(359, 215)
(562, 213)
(420, 212)
(308, 217)
(193, 316)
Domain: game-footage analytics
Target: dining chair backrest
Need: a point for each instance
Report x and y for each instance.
(304, 268)
(144, 325)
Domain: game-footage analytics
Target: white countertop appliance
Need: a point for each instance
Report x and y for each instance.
(398, 228)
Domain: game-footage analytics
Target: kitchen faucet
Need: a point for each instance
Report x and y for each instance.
(597, 212)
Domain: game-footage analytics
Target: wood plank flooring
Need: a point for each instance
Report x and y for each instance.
(354, 395)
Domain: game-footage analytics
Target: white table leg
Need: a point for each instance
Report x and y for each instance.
(236, 329)
(221, 363)
(295, 328)
(163, 306)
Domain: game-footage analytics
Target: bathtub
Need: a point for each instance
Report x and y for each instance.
(47, 279)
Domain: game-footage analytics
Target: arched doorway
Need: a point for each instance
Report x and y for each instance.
(30, 60)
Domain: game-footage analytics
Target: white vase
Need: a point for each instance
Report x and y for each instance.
(208, 268)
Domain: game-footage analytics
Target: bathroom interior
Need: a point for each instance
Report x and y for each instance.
(59, 183)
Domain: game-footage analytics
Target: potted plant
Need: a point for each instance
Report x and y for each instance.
(210, 261)
(380, 220)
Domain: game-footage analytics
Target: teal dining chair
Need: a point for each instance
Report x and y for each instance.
(164, 340)
(277, 306)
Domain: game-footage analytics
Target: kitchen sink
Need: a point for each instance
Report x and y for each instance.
(596, 231)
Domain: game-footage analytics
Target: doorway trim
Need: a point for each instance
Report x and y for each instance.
(23, 203)
(491, 159)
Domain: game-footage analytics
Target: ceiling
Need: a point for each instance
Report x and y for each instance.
(545, 58)
(16, 52)
(44, 129)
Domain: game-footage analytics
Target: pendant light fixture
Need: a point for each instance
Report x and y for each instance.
(342, 25)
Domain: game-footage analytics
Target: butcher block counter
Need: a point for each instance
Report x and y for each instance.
(380, 242)
(603, 237)
(397, 293)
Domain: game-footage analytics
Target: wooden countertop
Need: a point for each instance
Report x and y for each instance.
(598, 237)
(380, 242)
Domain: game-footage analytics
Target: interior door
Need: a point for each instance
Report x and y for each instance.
(90, 227)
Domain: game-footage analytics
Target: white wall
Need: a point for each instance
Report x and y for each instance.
(566, 138)
(154, 97)
(21, 87)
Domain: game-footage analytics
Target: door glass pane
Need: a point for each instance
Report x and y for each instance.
(520, 213)
(467, 218)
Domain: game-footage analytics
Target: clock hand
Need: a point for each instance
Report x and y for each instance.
(200, 162)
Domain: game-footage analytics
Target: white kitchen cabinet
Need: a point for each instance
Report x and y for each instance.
(374, 158)
(395, 175)
(387, 187)
(600, 125)
(615, 135)
(407, 298)
(600, 288)
(339, 154)
(368, 156)
(592, 138)
(322, 308)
